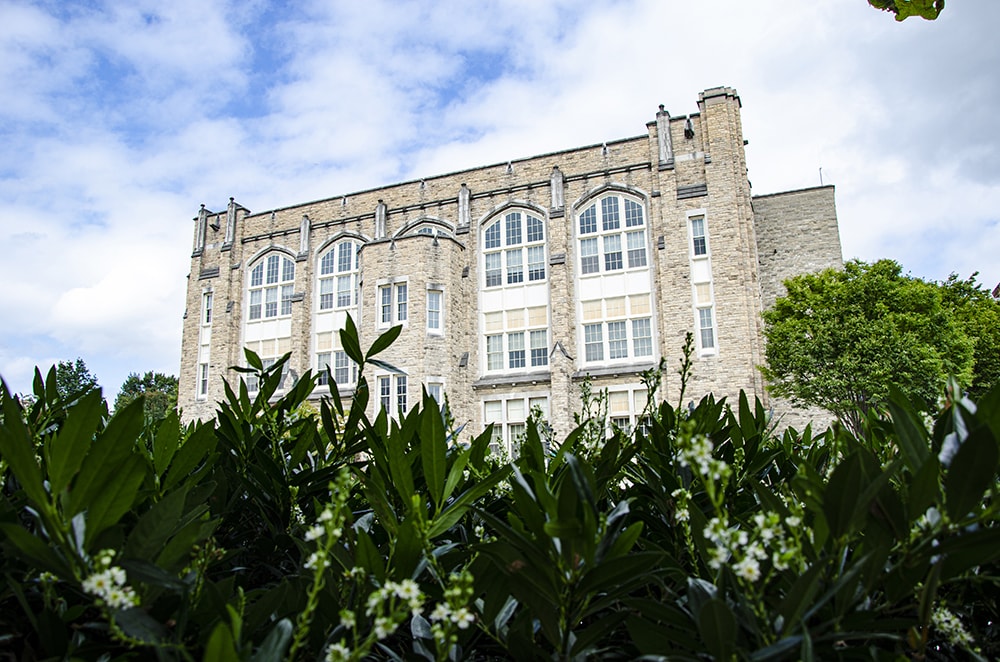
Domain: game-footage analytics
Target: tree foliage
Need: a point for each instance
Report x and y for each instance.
(903, 9)
(842, 339)
(158, 389)
(978, 314)
(74, 379)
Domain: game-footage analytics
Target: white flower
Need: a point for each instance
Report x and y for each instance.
(97, 584)
(315, 533)
(326, 515)
(348, 619)
(337, 652)
(951, 627)
(463, 618)
(717, 557)
(384, 627)
(792, 521)
(316, 561)
(748, 569)
(442, 612)
(682, 515)
(407, 589)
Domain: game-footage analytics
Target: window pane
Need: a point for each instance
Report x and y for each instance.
(513, 229)
(633, 214)
(287, 270)
(515, 346)
(271, 302)
(617, 340)
(613, 252)
(588, 256)
(272, 269)
(703, 293)
(515, 318)
(344, 291)
(326, 264)
(593, 342)
(322, 367)
(400, 302)
(707, 332)
(257, 276)
(493, 274)
(493, 411)
(618, 402)
(536, 263)
(206, 305)
(615, 307)
(698, 236)
(493, 321)
(401, 393)
(636, 248)
(433, 309)
(494, 352)
(642, 339)
(344, 257)
(536, 229)
(538, 316)
(385, 298)
(384, 392)
(539, 348)
(515, 273)
(609, 214)
(255, 304)
(588, 220)
(491, 239)
(286, 299)
(515, 409)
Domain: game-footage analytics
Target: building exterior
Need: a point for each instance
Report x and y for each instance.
(516, 282)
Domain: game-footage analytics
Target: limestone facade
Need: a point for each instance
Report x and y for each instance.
(516, 282)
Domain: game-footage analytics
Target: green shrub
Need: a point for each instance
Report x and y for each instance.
(277, 532)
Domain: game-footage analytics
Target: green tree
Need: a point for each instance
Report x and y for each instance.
(903, 9)
(160, 391)
(74, 379)
(840, 339)
(978, 313)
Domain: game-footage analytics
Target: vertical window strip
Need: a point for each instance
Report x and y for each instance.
(206, 306)
(698, 238)
(536, 263)
(434, 310)
(401, 302)
(706, 328)
(539, 348)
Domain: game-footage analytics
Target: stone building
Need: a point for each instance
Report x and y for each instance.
(516, 282)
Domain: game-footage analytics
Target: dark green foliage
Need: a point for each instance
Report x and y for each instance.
(159, 391)
(278, 532)
(74, 379)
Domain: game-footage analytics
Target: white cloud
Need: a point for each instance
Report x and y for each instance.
(120, 119)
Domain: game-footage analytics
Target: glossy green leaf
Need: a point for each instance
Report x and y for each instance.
(717, 626)
(433, 450)
(116, 498)
(972, 471)
(112, 448)
(66, 450)
(383, 341)
(17, 450)
(221, 646)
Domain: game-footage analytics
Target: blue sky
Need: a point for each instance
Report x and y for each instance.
(121, 118)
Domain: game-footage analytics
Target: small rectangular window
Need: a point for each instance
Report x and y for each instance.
(609, 214)
(323, 368)
(401, 393)
(706, 328)
(613, 252)
(271, 302)
(515, 271)
(536, 263)
(385, 299)
(401, 302)
(589, 260)
(206, 306)
(493, 270)
(385, 392)
(617, 340)
(286, 299)
(326, 294)
(344, 291)
(539, 349)
(513, 229)
(272, 270)
(699, 243)
(515, 349)
(255, 305)
(433, 310)
(494, 352)
(636, 249)
(344, 256)
(642, 338)
(436, 391)
(203, 379)
(345, 371)
(593, 342)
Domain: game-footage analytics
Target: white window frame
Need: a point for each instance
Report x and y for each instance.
(260, 283)
(630, 416)
(437, 313)
(206, 308)
(609, 236)
(700, 250)
(508, 429)
(398, 302)
(525, 338)
(331, 273)
(516, 251)
(397, 395)
(607, 322)
(202, 381)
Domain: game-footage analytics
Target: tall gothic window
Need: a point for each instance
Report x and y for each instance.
(271, 284)
(338, 276)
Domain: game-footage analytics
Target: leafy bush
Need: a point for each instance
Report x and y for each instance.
(274, 533)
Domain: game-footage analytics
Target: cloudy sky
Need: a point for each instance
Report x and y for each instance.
(120, 118)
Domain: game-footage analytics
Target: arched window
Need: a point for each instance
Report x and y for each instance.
(614, 302)
(514, 250)
(271, 285)
(612, 235)
(338, 276)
